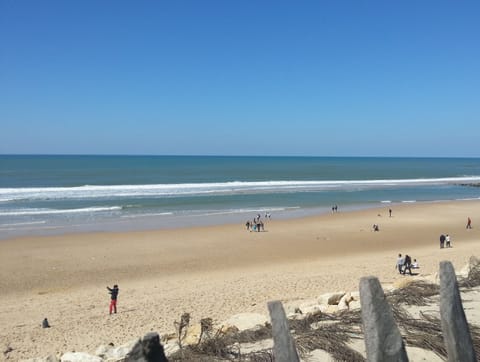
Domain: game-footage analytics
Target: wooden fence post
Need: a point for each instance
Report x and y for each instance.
(284, 349)
(383, 340)
(456, 334)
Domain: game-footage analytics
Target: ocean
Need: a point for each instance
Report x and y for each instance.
(46, 195)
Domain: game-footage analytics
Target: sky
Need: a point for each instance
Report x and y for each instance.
(300, 78)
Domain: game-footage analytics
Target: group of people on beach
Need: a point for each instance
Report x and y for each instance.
(405, 263)
(257, 223)
(376, 227)
(445, 241)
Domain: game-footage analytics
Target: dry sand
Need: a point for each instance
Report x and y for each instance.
(209, 272)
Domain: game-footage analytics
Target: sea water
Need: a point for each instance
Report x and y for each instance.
(58, 194)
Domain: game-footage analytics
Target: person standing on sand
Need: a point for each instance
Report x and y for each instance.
(407, 265)
(400, 262)
(390, 212)
(442, 241)
(114, 295)
(469, 223)
(447, 241)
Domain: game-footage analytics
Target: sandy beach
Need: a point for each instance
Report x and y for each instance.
(209, 271)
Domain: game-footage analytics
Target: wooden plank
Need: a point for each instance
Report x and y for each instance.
(383, 340)
(456, 333)
(284, 349)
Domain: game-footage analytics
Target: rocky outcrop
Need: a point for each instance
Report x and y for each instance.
(148, 349)
(79, 357)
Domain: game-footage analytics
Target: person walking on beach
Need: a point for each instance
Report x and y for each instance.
(407, 265)
(113, 300)
(469, 223)
(447, 241)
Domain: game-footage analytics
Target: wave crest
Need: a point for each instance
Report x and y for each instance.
(219, 188)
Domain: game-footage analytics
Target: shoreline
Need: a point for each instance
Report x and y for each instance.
(208, 271)
(154, 223)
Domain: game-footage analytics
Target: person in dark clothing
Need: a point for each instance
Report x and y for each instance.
(114, 295)
(469, 223)
(407, 265)
(45, 323)
(442, 241)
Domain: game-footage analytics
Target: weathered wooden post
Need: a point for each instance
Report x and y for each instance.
(284, 349)
(383, 340)
(456, 333)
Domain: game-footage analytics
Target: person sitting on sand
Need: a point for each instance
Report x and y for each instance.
(45, 323)
(415, 264)
(375, 227)
(114, 295)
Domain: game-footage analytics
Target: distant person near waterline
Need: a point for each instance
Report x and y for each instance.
(390, 212)
(113, 298)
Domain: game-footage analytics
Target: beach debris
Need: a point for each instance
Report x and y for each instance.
(7, 350)
(454, 323)
(206, 325)
(182, 327)
(413, 292)
(383, 340)
(148, 349)
(470, 274)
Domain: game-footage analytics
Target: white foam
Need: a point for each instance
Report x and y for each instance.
(23, 223)
(147, 215)
(228, 188)
(23, 212)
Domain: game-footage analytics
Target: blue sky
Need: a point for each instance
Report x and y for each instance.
(337, 78)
